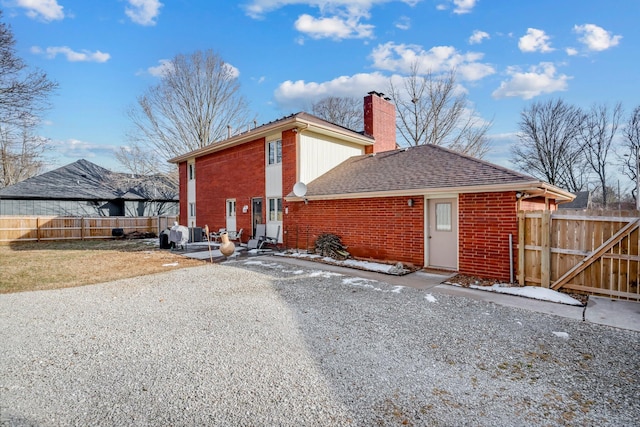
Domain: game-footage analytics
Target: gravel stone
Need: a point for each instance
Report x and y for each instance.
(255, 342)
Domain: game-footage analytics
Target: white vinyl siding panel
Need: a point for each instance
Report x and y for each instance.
(273, 180)
(319, 154)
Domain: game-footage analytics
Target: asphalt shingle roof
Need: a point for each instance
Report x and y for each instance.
(421, 167)
(80, 180)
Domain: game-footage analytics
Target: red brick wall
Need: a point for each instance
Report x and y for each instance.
(289, 161)
(485, 222)
(236, 173)
(182, 194)
(380, 122)
(384, 229)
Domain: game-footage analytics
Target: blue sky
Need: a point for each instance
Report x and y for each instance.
(289, 53)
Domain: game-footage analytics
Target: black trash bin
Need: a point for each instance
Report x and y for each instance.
(164, 240)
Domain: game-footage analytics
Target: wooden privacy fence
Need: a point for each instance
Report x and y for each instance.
(589, 252)
(24, 228)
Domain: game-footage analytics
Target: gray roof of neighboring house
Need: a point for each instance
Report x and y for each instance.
(415, 168)
(580, 202)
(83, 180)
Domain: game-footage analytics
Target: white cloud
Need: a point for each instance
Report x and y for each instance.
(478, 36)
(403, 23)
(259, 8)
(339, 19)
(596, 38)
(459, 6)
(299, 94)
(463, 6)
(48, 10)
(571, 51)
(402, 57)
(535, 41)
(334, 27)
(71, 55)
(537, 81)
(160, 70)
(234, 73)
(143, 12)
(74, 148)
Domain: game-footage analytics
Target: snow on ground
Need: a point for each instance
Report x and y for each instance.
(530, 292)
(534, 292)
(367, 283)
(352, 263)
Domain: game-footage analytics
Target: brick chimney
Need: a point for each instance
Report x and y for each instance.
(380, 122)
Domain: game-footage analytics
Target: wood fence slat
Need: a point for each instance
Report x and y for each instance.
(27, 228)
(606, 246)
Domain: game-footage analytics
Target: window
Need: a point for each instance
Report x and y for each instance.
(274, 152)
(275, 209)
(443, 216)
(192, 209)
(192, 171)
(231, 208)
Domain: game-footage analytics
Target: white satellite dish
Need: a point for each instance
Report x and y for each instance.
(299, 189)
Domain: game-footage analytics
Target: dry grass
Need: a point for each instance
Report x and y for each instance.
(28, 266)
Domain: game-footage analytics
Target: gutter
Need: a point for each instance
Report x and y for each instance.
(532, 188)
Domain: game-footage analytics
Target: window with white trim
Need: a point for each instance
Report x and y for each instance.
(192, 209)
(192, 171)
(274, 152)
(275, 209)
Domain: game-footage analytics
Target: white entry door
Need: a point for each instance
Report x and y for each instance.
(231, 215)
(443, 233)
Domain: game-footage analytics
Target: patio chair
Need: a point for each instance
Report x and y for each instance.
(215, 236)
(270, 241)
(236, 235)
(256, 240)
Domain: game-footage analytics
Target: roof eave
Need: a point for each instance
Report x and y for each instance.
(263, 131)
(532, 188)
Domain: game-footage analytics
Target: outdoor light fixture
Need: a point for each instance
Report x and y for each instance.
(518, 195)
(410, 202)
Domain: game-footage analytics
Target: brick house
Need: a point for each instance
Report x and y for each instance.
(423, 206)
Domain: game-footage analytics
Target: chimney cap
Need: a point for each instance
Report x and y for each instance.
(373, 92)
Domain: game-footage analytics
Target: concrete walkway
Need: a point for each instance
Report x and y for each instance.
(603, 311)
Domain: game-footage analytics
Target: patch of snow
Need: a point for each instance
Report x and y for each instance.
(430, 298)
(366, 283)
(563, 335)
(171, 264)
(324, 274)
(296, 272)
(534, 292)
(264, 264)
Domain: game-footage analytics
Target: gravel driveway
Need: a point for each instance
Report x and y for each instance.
(263, 343)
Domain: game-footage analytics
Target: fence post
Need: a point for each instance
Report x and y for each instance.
(545, 255)
(81, 228)
(521, 251)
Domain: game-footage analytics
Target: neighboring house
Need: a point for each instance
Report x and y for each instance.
(83, 188)
(582, 201)
(424, 206)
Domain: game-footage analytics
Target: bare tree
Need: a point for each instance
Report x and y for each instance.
(549, 146)
(597, 135)
(197, 100)
(343, 111)
(432, 110)
(631, 148)
(24, 97)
